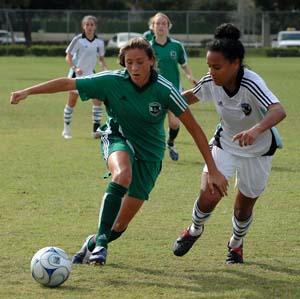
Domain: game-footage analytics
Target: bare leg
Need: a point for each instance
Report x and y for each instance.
(129, 208)
(241, 222)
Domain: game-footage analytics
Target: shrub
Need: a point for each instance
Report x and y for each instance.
(283, 52)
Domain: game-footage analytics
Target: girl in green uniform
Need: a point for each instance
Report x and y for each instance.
(170, 53)
(133, 141)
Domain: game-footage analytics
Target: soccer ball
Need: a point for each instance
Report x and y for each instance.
(50, 266)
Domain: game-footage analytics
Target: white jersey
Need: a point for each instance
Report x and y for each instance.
(86, 52)
(240, 111)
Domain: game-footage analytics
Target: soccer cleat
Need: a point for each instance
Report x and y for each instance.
(66, 133)
(185, 242)
(235, 255)
(82, 256)
(173, 153)
(98, 256)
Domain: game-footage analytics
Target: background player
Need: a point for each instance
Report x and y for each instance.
(149, 34)
(169, 53)
(82, 55)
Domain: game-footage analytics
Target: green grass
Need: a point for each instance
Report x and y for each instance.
(51, 191)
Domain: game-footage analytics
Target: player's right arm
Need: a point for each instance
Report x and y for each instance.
(75, 68)
(56, 85)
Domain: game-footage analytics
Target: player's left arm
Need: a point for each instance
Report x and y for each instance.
(189, 74)
(274, 115)
(103, 63)
(183, 61)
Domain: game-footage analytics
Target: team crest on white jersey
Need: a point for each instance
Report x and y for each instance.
(173, 54)
(155, 108)
(246, 108)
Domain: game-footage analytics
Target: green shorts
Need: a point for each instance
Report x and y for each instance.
(144, 173)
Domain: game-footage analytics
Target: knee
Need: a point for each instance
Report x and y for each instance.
(174, 123)
(122, 176)
(207, 202)
(72, 99)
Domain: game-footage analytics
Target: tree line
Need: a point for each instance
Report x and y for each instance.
(270, 5)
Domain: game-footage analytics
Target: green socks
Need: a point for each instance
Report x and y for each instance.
(110, 207)
(113, 236)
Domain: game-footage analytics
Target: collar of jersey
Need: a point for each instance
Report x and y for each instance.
(154, 41)
(90, 40)
(239, 78)
(153, 78)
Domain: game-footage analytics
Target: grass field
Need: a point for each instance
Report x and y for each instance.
(51, 190)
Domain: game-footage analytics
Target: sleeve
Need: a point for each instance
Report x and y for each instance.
(259, 90)
(203, 89)
(101, 51)
(145, 34)
(182, 57)
(92, 87)
(177, 103)
(73, 46)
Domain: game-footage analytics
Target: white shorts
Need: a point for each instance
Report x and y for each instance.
(251, 173)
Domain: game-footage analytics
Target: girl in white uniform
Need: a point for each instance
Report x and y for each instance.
(244, 142)
(82, 55)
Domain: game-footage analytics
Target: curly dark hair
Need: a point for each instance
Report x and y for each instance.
(227, 41)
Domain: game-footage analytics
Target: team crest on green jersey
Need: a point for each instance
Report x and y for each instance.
(155, 108)
(173, 54)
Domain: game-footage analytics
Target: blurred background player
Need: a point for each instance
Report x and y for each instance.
(149, 34)
(82, 55)
(244, 143)
(169, 53)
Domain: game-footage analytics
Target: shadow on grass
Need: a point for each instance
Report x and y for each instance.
(279, 269)
(233, 278)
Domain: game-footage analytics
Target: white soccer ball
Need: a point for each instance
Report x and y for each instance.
(51, 266)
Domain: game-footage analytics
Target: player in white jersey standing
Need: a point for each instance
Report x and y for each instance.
(82, 55)
(243, 144)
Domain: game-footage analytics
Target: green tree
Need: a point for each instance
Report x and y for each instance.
(277, 4)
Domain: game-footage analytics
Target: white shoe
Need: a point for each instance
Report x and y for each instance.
(173, 153)
(66, 133)
(83, 255)
(98, 256)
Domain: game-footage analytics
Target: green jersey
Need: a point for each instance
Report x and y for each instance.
(138, 112)
(148, 35)
(168, 57)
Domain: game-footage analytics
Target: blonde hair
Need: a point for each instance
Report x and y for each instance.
(85, 19)
(150, 23)
(160, 14)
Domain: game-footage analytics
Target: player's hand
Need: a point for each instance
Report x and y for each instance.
(219, 181)
(246, 137)
(79, 71)
(17, 96)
